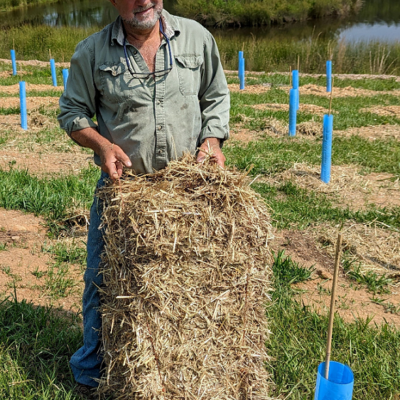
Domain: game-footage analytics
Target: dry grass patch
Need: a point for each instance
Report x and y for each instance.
(340, 92)
(385, 111)
(14, 89)
(32, 103)
(347, 187)
(305, 108)
(44, 164)
(369, 245)
(372, 132)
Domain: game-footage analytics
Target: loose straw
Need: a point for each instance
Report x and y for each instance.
(333, 298)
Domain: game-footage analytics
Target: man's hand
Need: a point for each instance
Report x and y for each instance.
(113, 159)
(211, 146)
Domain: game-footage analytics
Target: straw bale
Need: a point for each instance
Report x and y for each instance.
(186, 269)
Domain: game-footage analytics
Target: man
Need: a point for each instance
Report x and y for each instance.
(157, 88)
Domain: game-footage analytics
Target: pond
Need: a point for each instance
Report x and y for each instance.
(377, 20)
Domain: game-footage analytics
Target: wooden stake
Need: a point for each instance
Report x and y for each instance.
(298, 63)
(330, 98)
(332, 310)
(290, 76)
(49, 54)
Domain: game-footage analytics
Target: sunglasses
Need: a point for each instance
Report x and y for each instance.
(155, 74)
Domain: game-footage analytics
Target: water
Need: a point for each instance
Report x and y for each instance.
(378, 20)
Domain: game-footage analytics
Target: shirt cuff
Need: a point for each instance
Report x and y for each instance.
(80, 123)
(219, 132)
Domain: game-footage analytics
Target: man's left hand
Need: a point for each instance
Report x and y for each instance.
(211, 146)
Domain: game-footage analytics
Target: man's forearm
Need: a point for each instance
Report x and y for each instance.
(90, 138)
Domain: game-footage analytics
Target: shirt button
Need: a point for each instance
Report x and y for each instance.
(159, 127)
(158, 102)
(160, 151)
(114, 73)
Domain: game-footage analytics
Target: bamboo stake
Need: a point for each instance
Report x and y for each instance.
(333, 298)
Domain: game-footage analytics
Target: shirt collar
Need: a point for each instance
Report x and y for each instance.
(170, 24)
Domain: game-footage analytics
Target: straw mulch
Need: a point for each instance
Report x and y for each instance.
(186, 271)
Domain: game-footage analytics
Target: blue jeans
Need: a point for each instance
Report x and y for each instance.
(85, 363)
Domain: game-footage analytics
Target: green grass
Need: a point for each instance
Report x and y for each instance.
(51, 198)
(272, 155)
(346, 110)
(298, 338)
(35, 346)
(294, 207)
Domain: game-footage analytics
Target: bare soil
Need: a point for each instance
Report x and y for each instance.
(45, 164)
(353, 301)
(25, 266)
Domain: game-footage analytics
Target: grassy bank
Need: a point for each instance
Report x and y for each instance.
(8, 5)
(261, 12)
(279, 54)
(261, 53)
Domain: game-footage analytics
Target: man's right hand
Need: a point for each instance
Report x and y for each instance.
(113, 159)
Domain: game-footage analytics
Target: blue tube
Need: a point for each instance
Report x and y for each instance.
(340, 384)
(242, 73)
(240, 57)
(65, 77)
(295, 78)
(293, 112)
(14, 62)
(296, 82)
(22, 101)
(327, 148)
(53, 71)
(329, 76)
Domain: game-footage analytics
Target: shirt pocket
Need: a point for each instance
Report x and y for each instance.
(189, 73)
(112, 81)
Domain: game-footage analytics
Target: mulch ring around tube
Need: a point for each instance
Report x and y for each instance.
(186, 279)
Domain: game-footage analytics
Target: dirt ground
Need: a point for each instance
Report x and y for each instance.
(353, 301)
(24, 266)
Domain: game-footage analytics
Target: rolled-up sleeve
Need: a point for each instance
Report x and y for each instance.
(214, 94)
(77, 103)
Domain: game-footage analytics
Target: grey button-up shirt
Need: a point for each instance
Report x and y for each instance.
(153, 120)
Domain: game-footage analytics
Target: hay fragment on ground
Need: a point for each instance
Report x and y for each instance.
(185, 286)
